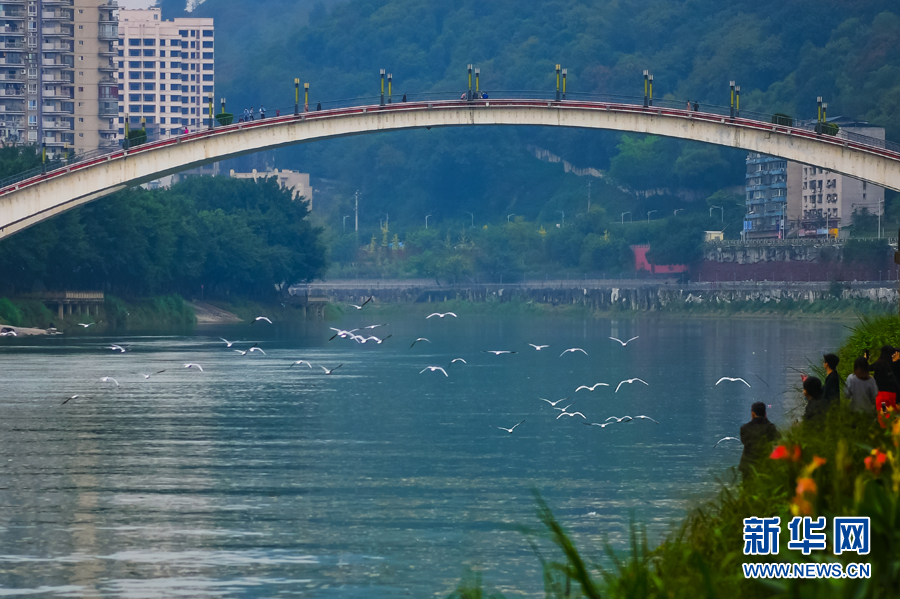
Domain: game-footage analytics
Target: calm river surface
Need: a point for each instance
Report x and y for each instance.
(252, 479)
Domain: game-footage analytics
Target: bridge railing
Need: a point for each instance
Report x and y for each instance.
(459, 96)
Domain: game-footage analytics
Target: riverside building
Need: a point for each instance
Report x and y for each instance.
(166, 72)
(57, 84)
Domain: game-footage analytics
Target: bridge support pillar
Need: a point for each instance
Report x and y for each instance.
(59, 311)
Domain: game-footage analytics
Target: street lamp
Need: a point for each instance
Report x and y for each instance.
(508, 216)
(676, 211)
(623, 217)
(722, 211)
(563, 216)
(473, 217)
(648, 215)
(426, 220)
(345, 223)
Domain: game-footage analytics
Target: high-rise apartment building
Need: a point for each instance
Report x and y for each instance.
(56, 74)
(166, 72)
(769, 182)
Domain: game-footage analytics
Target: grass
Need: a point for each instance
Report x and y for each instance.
(826, 474)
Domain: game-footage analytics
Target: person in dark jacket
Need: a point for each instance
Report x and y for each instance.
(884, 372)
(757, 435)
(815, 405)
(831, 394)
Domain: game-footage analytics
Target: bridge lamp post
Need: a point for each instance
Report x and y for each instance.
(382, 87)
(427, 216)
(825, 112)
(646, 76)
(306, 97)
(819, 109)
(477, 82)
(558, 71)
(469, 93)
(623, 217)
(296, 97)
(651, 90)
(563, 217)
(648, 215)
(390, 86)
(508, 216)
(737, 101)
(721, 211)
(731, 83)
(564, 72)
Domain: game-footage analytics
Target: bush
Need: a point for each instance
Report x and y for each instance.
(225, 118)
(866, 250)
(136, 137)
(779, 118)
(10, 313)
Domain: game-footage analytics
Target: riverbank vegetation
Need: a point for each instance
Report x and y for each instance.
(846, 465)
(211, 236)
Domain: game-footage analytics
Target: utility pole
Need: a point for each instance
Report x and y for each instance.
(589, 196)
(356, 213)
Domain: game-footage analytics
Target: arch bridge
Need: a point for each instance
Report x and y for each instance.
(44, 195)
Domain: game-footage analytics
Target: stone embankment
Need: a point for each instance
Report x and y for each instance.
(606, 294)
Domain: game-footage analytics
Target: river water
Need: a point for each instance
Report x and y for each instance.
(253, 479)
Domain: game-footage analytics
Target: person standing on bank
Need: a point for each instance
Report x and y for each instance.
(861, 388)
(757, 435)
(831, 393)
(815, 405)
(883, 371)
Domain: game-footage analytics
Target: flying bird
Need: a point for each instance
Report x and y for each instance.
(456, 360)
(363, 304)
(298, 362)
(107, 379)
(570, 414)
(509, 430)
(629, 381)
(732, 379)
(70, 399)
(618, 420)
(725, 439)
(591, 388)
(438, 314)
(573, 350)
(259, 349)
(603, 425)
(376, 339)
(258, 318)
(85, 325)
(117, 348)
(147, 376)
(417, 340)
(242, 352)
(645, 418)
(565, 408)
(553, 403)
(342, 333)
(375, 326)
(197, 366)
(498, 352)
(332, 370)
(538, 347)
(434, 369)
(624, 343)
(227, 342)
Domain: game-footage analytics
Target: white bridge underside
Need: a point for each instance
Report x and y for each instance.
(32, 203)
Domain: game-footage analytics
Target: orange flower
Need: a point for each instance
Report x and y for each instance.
(796, 456)
(779, 453)
(801, 507)
(816, 462)
(875, 461)
(806, 485)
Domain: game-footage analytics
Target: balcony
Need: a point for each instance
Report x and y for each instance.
(56, 125)
(13, 108)
(108, 32)
(57, 64)
(109, 5)
(12, 13)
(58, 93)
(108, 109)
(11, 93)
(7, 30)
(57, 31)
(57, 2)
(58, 46)
(111, 66)
(56, 15)
(57, 78)
(13, 77)
(14, 59)
(11, 45)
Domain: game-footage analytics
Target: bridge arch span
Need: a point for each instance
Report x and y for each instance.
(33, 200)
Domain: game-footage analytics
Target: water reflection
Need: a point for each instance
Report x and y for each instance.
(255, 480)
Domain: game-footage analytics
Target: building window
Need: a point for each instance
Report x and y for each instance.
(149, 97)
(134, 75)
(149, 86)
(134, 53)
(207, 56)
(149, 64)
(208, 67)
(134, 64)
(207, 44)
(149, 52)
(208, 78)
(149, 42)
(149, 75)
(134, 97)
(183, 32)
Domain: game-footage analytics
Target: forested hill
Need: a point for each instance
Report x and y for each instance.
(782, 53)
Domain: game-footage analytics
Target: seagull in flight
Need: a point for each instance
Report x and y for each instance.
(553, 403)
(375, 326)
(509, 430)
(147, 376)
(417, 340)
(591, 388)
(538, 347)
(298, 362)
(456, 360)
(565, 408)
(438, 314)
(570, 414)
(725, 439)
(732, 379)
(85, 325)
(227, 342)
(434, 369)
(117, 348)
(624, 343)
(645, 418)
(254, 348)
(107, 379)
(618, 420)
(498, 352)
(603, 425)
(363, 304)
(70, 399)
(332, 370)
(197, 366)
(629, 381)
(342, 333)
(573, 350)
(258, 318)
(376, 339)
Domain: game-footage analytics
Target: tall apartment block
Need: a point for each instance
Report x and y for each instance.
(57, 84)
(166, 72)
(769, 182)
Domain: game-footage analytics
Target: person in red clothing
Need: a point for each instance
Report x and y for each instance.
(884, 370)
